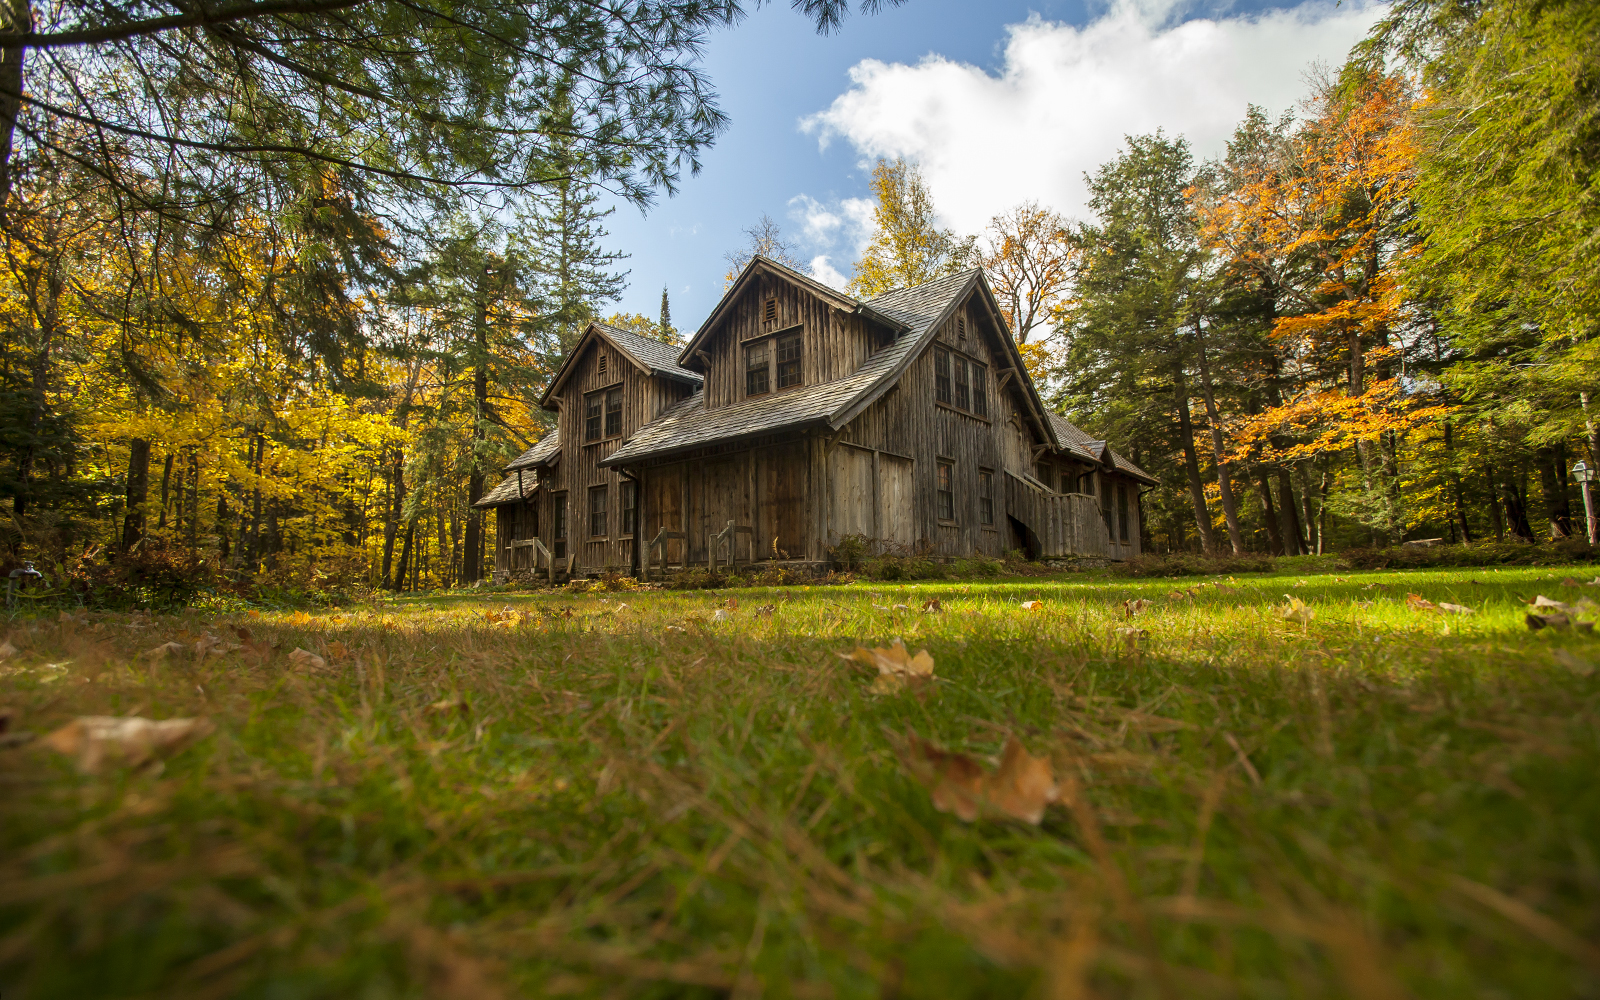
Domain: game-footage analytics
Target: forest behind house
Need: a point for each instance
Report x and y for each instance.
(280, 292)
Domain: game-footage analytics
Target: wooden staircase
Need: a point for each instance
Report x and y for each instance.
(1058, 524)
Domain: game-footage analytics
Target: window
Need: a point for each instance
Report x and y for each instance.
(630, 507)
(1105, 503)
(941, 375)
(597, 512)
(1122, 512)
(613, 413)
(756, 370)
(771, 313)
(789, 361)
(558, 533)
(963, 387)
(947, 492)
(980, 396)
(591, 416)
(985, 497)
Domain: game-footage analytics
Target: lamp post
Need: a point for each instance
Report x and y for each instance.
(1585, 475)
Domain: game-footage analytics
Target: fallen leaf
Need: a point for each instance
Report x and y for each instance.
(1416, 602)
(1135, 606)
(1179, 595)
(1542, 601)
(101, 740)
(1297, 610)
(455, 704)
(1032, 605)
(1131, 636)
(767, 609)
(896, 667)
(622, 607)
(733, 602)
(163, 651)
(901, 607)
(1570, 582)
(932, 606)
(1021, 787)
(1456, 609)
(306, 658)
(7, 651)
(242, 632)
(1559, 621)
(204, 645)
(338, 650)
(673, 628)
(721, 616)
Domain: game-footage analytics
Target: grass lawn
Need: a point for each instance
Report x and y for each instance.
(585, 798)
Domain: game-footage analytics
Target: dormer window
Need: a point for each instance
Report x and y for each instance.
(757, 378)
(789, 361)
(960, 383)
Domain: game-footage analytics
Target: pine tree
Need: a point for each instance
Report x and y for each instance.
(668, 331)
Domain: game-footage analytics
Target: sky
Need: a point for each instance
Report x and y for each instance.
(999, 103)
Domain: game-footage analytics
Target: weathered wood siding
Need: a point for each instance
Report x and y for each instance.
(913, 432)
(762, 487)
(834, 343)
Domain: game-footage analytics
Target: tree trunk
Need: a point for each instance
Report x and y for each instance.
(1516, 501)
(1553, 481)
(1191, 468)
(397, 492)
(138, 492)
(1269, 514)
(254, 553)
(1296, 535)
(18, 17)
(1230, 509)
(405, 554)
(472, 569)
(1460, 501)
(166, 480)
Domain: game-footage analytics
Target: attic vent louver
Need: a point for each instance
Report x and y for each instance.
(602, 364)
(961, 328)
(772, 311)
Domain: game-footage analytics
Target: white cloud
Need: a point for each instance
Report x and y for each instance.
(1066, 96)
(823, 270)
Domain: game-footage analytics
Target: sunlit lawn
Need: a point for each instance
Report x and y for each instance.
(639, 799)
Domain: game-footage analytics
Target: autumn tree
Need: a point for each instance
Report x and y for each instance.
(764, 239)
(907, 246)
(1029, 254)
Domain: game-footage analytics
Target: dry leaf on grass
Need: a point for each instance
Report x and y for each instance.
(1570, 582)
(306, 658)
(1132, 636)
(204, 645)
(338, 650)
(932, 606)
(1133, 607)
(1032, 605)
(896, 667)
(1181, 595)
(163, 651)
(453, 704)
(1297, 610)
(721, 616)
(1542, 601)
(1455, 609)
(1559, 621)
(1416, 602)
(1021, 787)
(98, 741)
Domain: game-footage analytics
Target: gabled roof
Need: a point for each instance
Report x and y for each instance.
(920, 310)
(512, 489)
(542, 453)
(653, 357)
(1078, 443)
(759, 264)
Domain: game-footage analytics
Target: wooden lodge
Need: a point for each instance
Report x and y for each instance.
(796, 417)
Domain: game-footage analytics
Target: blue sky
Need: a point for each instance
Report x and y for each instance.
(999, 102)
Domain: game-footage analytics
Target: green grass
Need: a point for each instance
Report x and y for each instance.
(1377, 803)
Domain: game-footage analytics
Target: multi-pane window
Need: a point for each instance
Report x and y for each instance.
(591, 416)
(980, 395)
(789, 361)
(960, 382)
(941, 375)
(985, 497)
(558, 526)
(756, 371)
(1122, 511)
(1105, 503)
(597, 512)
(947, 492)
(630, 507)
(613, 413)
(963, 386)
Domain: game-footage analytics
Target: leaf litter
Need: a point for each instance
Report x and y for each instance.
(100, 741)
(897, 668)
(1021, 786)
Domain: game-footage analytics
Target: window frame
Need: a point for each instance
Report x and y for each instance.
(957, 374)
(613, 429)
(944, 487)
(796, 338)
(558, 525)
(750, 350)
(630, 508)
(594, 415)
(603, 491)
(986, 499)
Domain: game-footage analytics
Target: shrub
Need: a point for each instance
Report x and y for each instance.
(151, 575)
(851, 551)
(1191, 564)
(1565, 550)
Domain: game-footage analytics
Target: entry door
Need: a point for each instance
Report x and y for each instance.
(896, 504)
(849, 493)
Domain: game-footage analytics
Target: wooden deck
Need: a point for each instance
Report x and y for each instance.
(1058, 524)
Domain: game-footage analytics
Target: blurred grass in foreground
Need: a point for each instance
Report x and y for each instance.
(1378, 802)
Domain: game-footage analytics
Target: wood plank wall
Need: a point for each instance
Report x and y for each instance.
(835, 343)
